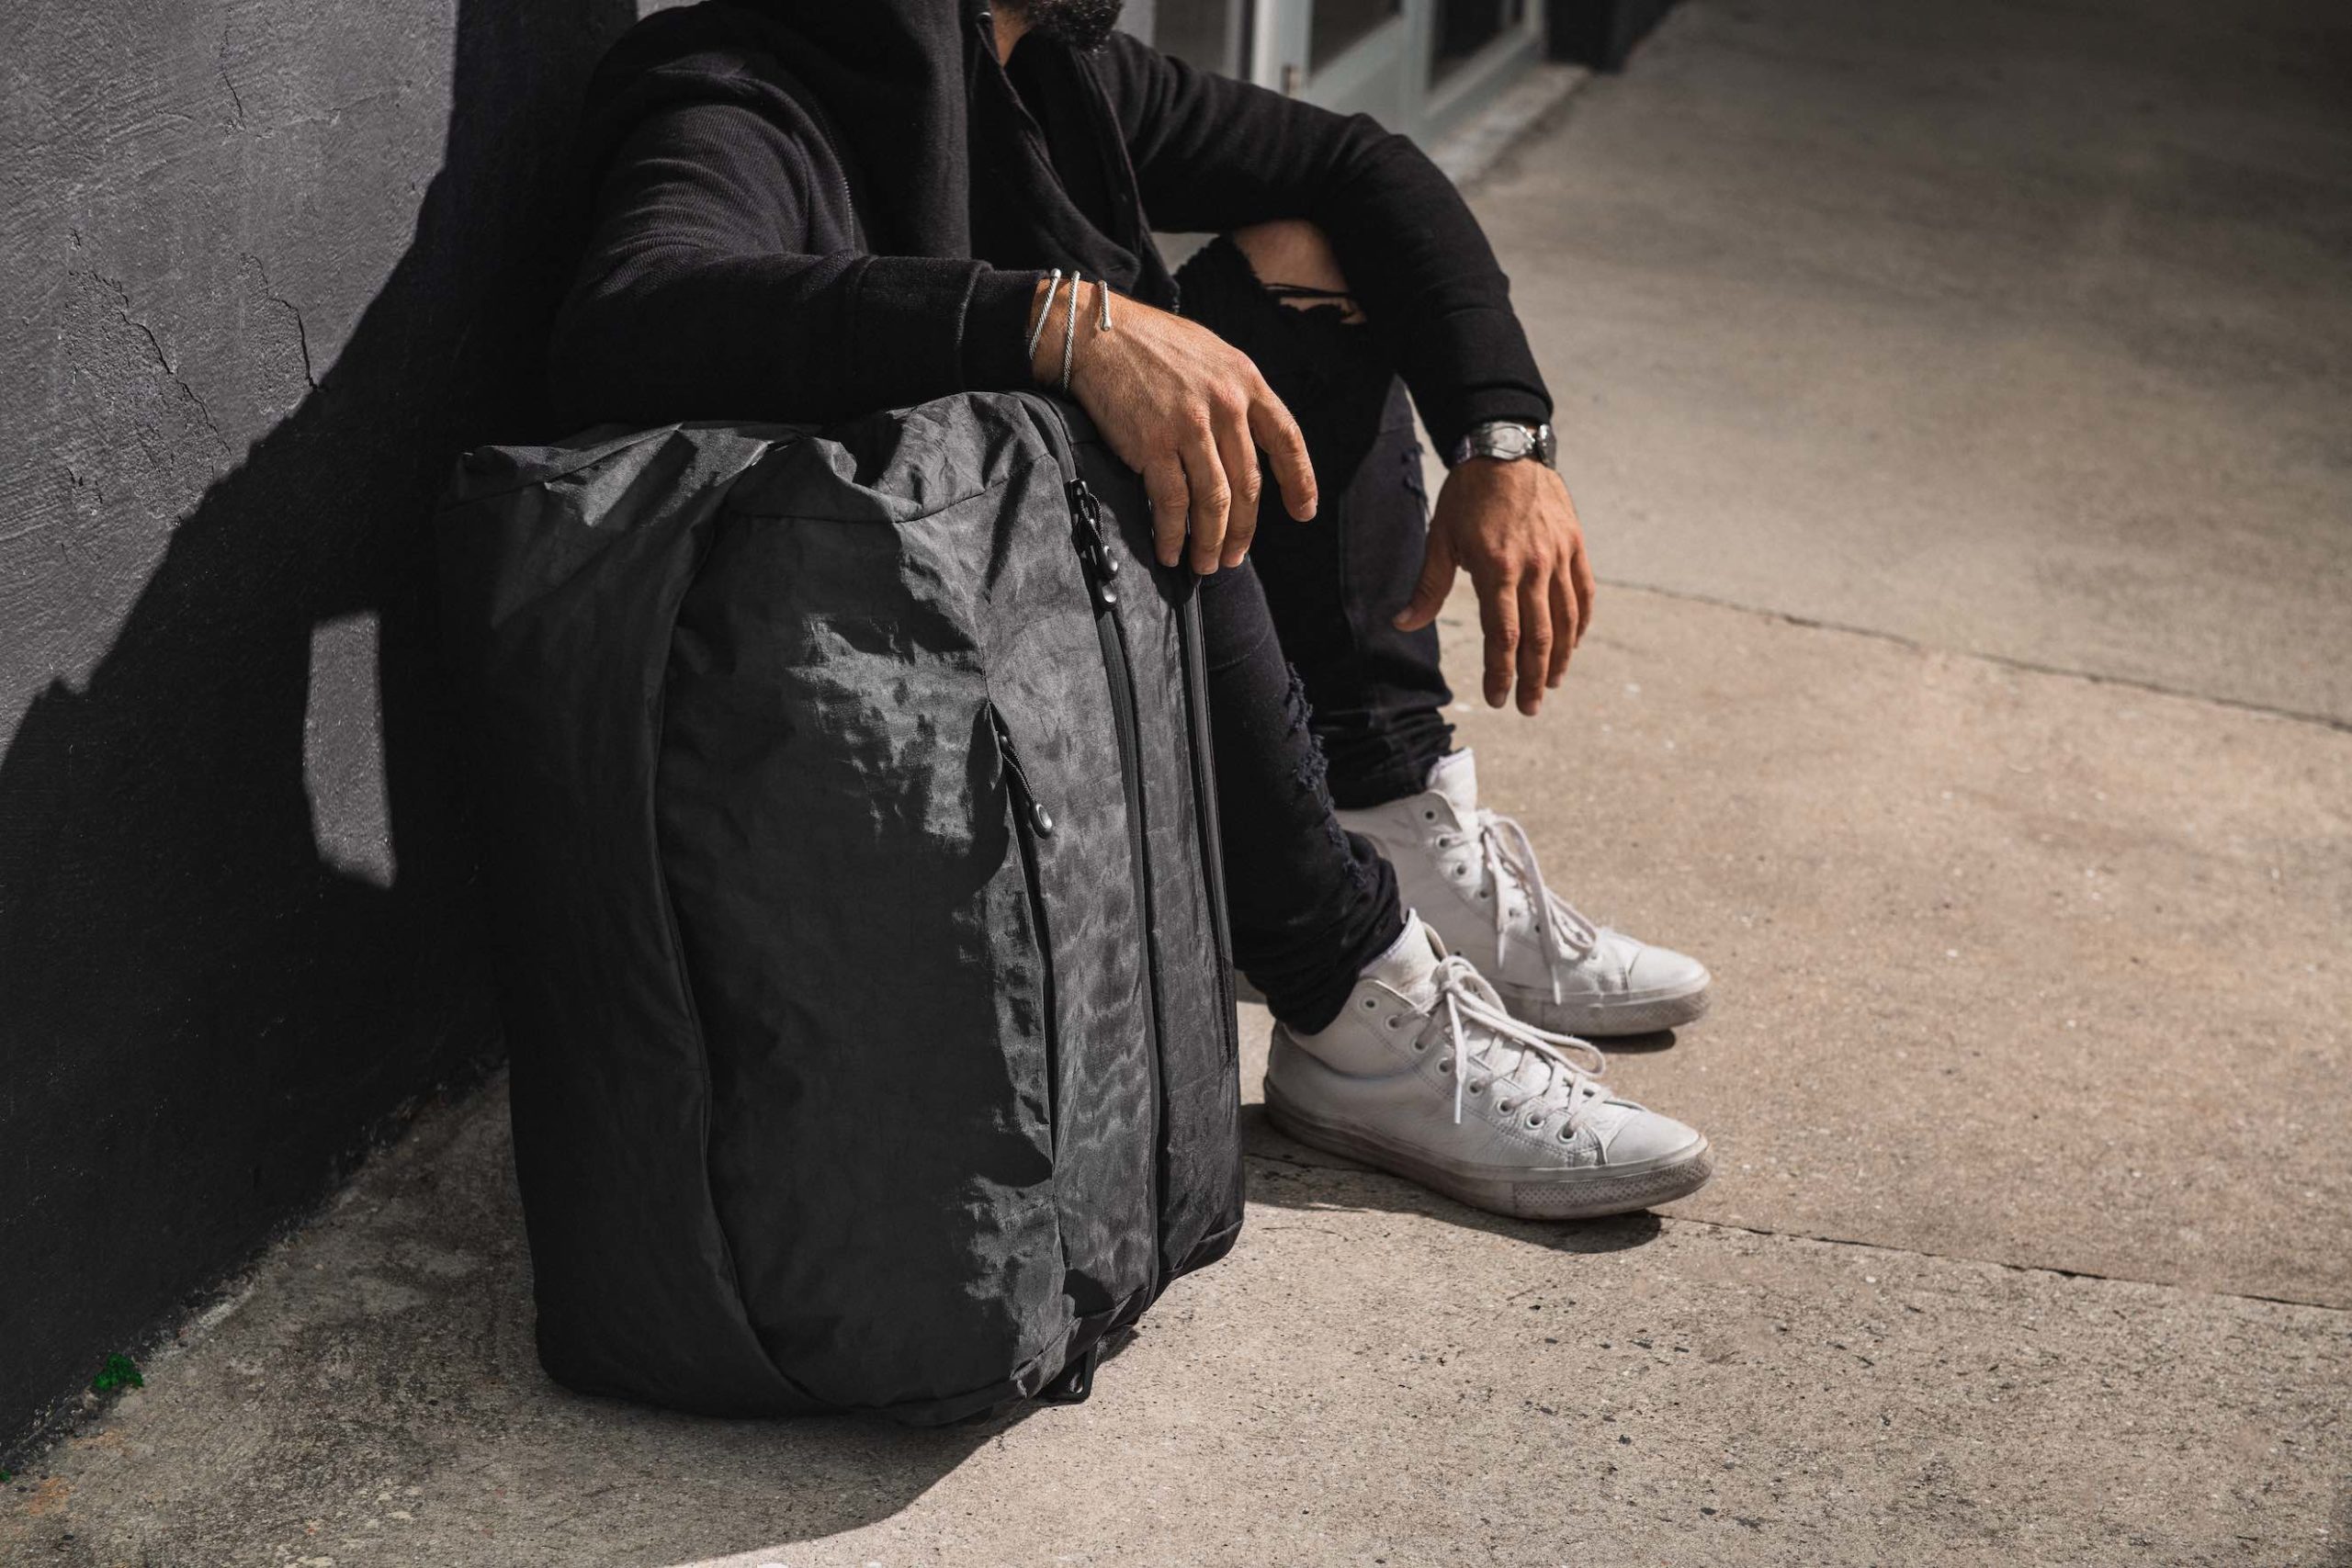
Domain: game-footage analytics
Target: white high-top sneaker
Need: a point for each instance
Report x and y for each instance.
(1424, 1073)
(1471, 873)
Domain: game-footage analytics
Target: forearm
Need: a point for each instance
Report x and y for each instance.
(681, 332)
(1217, 154)
(717, 284)
(1419, 263)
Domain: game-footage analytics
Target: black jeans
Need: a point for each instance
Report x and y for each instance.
(1315, 698)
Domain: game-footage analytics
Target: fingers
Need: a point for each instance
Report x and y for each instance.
(1274, 429)
(1171, 499)
(1239, 455)
(1499, 613)
(1535, 639)
(1587, 589)
(1567, 630)
(1212, 497)
(1436, 581)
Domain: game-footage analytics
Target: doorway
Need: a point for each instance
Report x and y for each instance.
(1418, 66)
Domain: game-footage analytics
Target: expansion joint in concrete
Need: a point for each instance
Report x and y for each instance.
(2008, 662)
(2045, 1271)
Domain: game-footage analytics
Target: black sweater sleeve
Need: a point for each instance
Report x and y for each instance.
(710, 289)
(1211, 153)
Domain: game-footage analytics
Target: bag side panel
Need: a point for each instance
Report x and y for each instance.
(1201, 1199)
(558, 600)
(1047, 675)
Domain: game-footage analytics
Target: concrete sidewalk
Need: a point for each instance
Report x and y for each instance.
(2009, 343)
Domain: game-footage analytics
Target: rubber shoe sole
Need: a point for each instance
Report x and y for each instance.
(1603, 1017)
(1649, 1014)
(1577, 1192)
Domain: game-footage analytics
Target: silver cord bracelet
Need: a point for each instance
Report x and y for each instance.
(1070, 328)
(1038, 332)
(1102, 304)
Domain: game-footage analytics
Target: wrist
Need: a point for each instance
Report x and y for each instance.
(1062, 327)
(1508, 440)
(1044, 346)
(995, 329)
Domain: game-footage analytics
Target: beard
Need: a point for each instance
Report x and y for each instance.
(1084, 25)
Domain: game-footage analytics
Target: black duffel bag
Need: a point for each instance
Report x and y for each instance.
(853, 848)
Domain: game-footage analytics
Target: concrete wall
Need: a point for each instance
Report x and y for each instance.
(268, 266)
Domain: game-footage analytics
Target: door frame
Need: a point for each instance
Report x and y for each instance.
(1385, 73)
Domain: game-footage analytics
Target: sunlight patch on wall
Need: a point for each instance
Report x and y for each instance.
(343, 751)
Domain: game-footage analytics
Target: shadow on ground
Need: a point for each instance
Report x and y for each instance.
(448, 1223)
(384, 1374)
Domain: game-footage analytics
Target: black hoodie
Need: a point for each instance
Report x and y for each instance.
(806, 210)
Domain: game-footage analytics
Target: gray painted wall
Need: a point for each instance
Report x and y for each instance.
(266, 265)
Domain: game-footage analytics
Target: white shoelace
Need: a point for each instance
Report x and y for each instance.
(1567, 937)
(1469, 1000)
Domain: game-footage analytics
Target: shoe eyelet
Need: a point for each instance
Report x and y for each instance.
(1535, 1120)
(1394, 1020)
(1445, 1066)
(1428, 815)
(1484, 892)
(1420, 1045)
(1568, 1133)
(1477, 1089)
(1370, 1002)
(1504, 1106)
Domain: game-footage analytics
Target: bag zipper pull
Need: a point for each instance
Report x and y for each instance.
(1040, 819)
(1086, 529)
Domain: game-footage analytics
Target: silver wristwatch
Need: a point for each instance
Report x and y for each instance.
(1506, 438)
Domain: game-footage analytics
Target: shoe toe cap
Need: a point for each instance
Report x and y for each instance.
(1661, 970)
(1645, 1135)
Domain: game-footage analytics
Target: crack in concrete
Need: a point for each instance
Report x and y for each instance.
(2058, 1270)
(155, 346)
(2049, 1268)
(220, 64)
(302, 329)
(2006, 661)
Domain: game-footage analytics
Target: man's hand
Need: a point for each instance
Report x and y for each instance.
(1187, 410)
(1512, 525)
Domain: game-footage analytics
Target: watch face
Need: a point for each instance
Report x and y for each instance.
(1511, 441)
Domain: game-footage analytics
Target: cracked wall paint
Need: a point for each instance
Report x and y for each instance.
(272, 264)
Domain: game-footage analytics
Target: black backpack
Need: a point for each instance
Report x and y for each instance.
(852, 840)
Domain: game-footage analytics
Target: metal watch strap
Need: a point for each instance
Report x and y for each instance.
(1508, 439)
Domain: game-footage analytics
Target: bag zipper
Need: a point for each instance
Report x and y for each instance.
(1031, 823)
(1112, 633)
(1099, 567)
(1086, 526)
(1016, 778)
(1086, 533)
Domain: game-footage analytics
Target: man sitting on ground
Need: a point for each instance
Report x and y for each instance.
(807, 210)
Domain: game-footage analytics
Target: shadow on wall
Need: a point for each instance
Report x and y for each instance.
(209, 999)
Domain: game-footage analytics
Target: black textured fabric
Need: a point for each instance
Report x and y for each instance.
(1312, 904)
(862, 941)
(807, 210)
(1377, 695)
